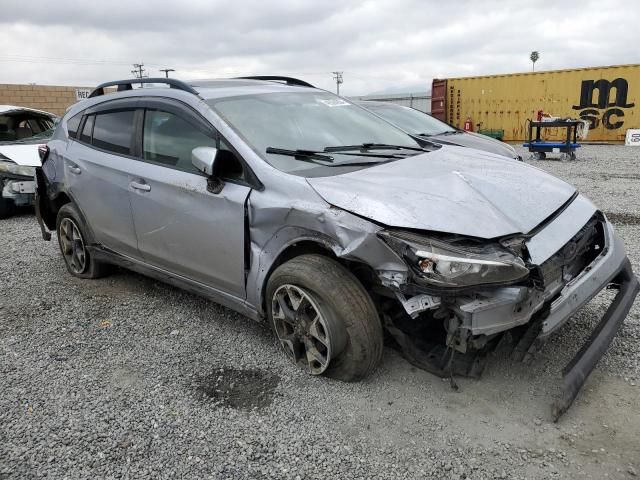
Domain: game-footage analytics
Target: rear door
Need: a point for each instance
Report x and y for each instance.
(96, 166)
(181, 226)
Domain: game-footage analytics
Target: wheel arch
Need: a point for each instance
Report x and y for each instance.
(54, 205)
(307, 244)
(51, 208)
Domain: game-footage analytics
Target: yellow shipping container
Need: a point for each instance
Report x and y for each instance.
(608, 97)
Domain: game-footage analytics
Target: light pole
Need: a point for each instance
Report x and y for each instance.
(166, 71)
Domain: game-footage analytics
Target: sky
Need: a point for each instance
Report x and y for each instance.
(389, 46)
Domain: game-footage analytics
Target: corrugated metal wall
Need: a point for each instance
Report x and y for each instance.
(608, 97)
(419, 101)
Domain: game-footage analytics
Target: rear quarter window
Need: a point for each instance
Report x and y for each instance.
(85, 136)
(73, 124)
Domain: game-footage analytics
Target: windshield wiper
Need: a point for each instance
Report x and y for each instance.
(317, 157)
(446, 132)
(372, 146)
(300, 154)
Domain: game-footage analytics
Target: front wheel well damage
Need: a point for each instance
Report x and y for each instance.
(364, 273)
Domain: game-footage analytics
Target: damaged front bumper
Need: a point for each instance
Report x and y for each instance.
(496, 310)
(529, 314)
(18, 188)
(579, 368)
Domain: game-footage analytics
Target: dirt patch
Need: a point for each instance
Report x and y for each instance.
(241, 389)
(623, 218)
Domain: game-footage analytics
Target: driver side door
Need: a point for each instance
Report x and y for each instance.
(180, 225)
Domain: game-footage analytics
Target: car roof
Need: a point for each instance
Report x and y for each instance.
(210, 89)
(206, 90)
(17, 108)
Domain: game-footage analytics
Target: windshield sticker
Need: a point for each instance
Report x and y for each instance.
(334, 102)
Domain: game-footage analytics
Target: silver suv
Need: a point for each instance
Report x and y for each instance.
(292, 205)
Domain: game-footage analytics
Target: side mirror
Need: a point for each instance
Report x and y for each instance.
(204, 158)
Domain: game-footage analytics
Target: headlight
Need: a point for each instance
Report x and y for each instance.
(445, 265)
(9, 167)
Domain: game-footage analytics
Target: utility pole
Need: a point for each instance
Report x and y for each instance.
(166, 71)
(138, 71)
(337, 76)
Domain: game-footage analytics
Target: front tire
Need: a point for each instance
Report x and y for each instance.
(324, 319)
(72, 239)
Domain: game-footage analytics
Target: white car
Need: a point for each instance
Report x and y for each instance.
(22, 130)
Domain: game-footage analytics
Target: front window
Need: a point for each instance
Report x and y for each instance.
(169, 140)
(410, 120)
(311, 121)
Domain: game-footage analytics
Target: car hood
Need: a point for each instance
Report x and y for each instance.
(454, 190)
(474, 140)
(22, 154)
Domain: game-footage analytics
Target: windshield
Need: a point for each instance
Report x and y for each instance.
(310, 121)
(410, 119)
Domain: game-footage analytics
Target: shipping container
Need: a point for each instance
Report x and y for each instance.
(607, 97)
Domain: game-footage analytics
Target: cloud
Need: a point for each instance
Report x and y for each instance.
(382, 44)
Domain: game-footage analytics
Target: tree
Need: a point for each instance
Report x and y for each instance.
(535, 55)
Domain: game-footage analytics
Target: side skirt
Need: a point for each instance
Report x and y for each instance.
(224, 299)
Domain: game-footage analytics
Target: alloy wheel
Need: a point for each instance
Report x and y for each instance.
(72, 245)
(308, 336)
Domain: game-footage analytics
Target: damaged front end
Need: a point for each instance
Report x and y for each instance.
(465, 296)
(16, 182)
(452, 282)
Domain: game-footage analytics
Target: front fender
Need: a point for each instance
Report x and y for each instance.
(346, 235)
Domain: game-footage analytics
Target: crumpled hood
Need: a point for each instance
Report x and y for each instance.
(453, 190)
(22, 154)
(475, 140)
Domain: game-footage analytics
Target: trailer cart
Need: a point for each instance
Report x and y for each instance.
(539, 147)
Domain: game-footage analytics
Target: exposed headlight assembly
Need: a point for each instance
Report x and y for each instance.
(7, 166)
(444, 265)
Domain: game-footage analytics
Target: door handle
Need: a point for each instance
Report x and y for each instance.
(143, 187)
(74, 169)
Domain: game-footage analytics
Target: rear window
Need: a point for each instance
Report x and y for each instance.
(112, 131)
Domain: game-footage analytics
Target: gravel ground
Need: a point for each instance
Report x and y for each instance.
(125, 377)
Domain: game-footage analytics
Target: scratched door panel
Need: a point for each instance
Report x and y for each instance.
(185, 229)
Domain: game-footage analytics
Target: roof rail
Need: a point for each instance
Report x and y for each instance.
(128, 85)
(278, 78)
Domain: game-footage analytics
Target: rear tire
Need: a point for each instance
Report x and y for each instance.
(73, 240)
(346, 333)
